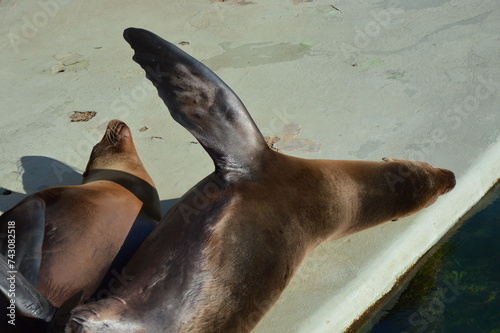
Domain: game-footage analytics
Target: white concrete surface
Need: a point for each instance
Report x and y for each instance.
(405, 79)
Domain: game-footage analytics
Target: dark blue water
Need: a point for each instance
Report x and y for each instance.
(457, 290)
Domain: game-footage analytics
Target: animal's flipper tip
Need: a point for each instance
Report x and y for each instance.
(130, 33)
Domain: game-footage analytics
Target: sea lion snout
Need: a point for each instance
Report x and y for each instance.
(76, 325)
(448, 180)
(116, 145)
(83, 321)
(116, 131)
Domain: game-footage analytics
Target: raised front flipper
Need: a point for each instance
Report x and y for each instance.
(22, 231)
(200, 101)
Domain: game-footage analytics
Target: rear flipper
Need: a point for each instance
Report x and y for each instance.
(33, 312)
(200, 101)
(22, 231)
(16, 289)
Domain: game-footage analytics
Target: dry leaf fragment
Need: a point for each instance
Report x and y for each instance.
(271, 141)
(78, 116)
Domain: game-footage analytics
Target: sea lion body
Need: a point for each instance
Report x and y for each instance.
(230, 248)
(67, 237)
(76, 256)
(225, 251)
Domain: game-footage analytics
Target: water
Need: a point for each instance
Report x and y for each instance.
(458, 288)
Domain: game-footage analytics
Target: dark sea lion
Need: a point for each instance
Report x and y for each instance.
(225, 251)
(66, 238)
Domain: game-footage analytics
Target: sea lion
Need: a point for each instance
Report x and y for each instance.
(225, 251)
(66, 238)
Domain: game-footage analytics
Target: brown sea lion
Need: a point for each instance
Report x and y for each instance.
(223, 254)
(67, 237)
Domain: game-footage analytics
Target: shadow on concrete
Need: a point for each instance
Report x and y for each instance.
(40, 172)
(167, 204)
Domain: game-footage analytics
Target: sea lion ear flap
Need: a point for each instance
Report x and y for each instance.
(198, 100)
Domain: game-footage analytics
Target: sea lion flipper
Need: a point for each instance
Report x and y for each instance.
(24, 224)
(199, 100)
(29, 301)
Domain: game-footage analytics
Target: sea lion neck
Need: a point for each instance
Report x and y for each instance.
(144, 191)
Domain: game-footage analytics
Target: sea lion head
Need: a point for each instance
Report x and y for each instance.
(116, 151)
(418, 184)
(446, 180)
(433, 181)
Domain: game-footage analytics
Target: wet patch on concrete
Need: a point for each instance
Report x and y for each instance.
(290, 141)
(421, 4)
(255, 54)
(370, 63)
(366, 149)
(69, 62)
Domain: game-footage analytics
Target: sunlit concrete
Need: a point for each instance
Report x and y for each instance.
(337, 80)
